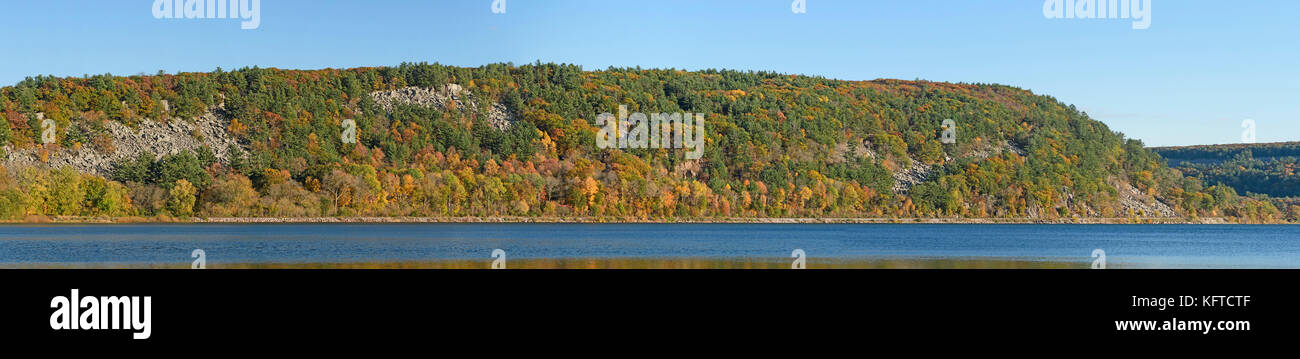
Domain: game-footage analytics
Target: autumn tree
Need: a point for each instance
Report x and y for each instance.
(181, 197)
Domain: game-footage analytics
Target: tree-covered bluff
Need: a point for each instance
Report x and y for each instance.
(520, 141)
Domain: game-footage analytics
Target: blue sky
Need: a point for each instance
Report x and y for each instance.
(1191, 78)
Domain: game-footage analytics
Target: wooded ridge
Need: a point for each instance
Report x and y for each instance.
(503, 140)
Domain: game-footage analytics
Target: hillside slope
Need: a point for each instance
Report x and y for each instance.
(505, 140)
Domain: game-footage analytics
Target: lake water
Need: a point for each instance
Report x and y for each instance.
(651, 245)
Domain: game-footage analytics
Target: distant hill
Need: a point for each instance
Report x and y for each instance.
(1265, 168)
(1226, 152)
(507, 140)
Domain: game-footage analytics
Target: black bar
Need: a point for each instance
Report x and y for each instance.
(354, 307)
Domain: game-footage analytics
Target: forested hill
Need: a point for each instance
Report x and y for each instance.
(1227, 152)
(1265, 168)
(505, 140)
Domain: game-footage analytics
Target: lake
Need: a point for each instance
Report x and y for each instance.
(470, 245)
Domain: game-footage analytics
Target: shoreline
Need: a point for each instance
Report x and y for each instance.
(592, 220)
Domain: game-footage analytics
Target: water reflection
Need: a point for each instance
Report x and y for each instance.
(613, 263)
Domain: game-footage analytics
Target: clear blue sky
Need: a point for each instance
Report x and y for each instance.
(1201, 68)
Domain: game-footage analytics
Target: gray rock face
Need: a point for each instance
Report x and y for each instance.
(1132, 199)
(150, 136)
(906, 178)
(178, 135)
(441, 98)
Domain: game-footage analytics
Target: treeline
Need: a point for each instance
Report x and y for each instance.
(1227, 152)
(1272, 176)
(777, 146)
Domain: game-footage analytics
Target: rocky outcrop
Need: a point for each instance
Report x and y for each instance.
(992, 151)
(180, 135)
(1133, 200)
(157, 138)
(443, 98)
(908, 177)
